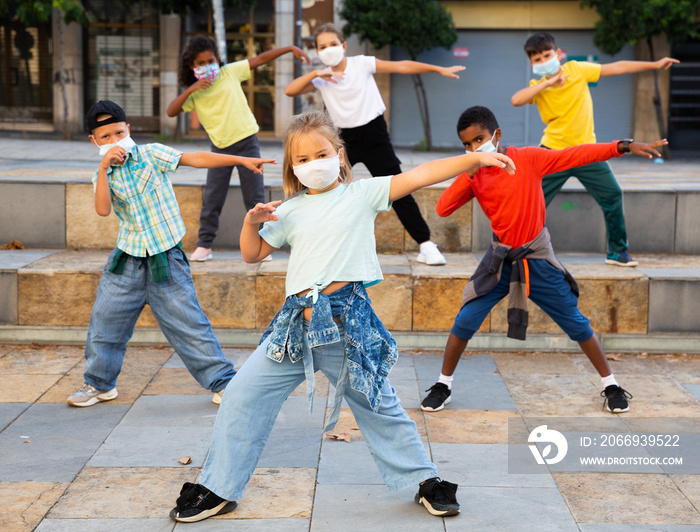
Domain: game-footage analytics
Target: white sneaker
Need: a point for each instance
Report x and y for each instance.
(89, 395)
(201, 254)
(429, 254)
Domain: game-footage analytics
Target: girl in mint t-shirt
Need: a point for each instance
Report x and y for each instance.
(215, 92)
(326, 323)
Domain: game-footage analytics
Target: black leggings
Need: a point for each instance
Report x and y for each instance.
(370, 145)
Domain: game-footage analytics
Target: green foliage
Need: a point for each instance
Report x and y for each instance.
(413, 25)
(32, 12)
(624, 21)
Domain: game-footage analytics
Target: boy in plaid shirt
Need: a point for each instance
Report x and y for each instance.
(148, 264)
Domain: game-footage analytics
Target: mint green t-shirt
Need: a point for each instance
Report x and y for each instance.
(331, 234)
(223, 108)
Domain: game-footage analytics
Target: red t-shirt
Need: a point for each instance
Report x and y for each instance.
(515, 203)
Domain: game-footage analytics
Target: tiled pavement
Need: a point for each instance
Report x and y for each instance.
(115, 466)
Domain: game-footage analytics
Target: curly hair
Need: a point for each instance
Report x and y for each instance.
(478, 115)
(195, 46)
(315, 123)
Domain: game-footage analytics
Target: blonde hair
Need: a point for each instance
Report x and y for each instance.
(306, 124)
(328, 27)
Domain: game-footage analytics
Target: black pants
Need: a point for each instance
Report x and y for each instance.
(370, 145)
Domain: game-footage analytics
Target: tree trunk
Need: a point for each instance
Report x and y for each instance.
(220, 29)
(423, 109)
(657, 103)
(62, 78)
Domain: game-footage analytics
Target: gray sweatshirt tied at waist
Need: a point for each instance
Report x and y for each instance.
(488, 275)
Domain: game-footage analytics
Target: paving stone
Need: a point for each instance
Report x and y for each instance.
(289, 524)
(105, 525)
(690, 486)
(14, 259)
(156, 446)
(625, 498)
(694, 389)
(62, 441)
(485, 465)
(174, 381)
(24, 388)
(407, 391)
(636, 528)
(122, 493)
(512, 509)
(347, 463)
(10, 411)
(468, 426)
(171, 411)
(26, 503)
(529, 362)
(276, 493)
(478, 391)
(44, 360)
(336, 509)
(555, 395)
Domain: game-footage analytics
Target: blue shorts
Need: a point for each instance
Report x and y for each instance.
(548, 289)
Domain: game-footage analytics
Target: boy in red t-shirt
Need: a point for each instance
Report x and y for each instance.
(520, 261)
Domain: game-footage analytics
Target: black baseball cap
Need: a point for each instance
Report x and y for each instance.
(104, 107)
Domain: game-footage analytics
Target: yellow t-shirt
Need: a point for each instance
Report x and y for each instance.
(568, 110)
(223, 108)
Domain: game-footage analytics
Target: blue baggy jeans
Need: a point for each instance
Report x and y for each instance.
(120, 300)
(251, 404)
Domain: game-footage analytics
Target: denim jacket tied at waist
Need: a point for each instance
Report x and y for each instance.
(370, 350)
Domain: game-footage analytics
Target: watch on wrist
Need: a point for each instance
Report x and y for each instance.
(626, 145)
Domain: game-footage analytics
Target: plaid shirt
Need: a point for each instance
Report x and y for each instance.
(144, 201)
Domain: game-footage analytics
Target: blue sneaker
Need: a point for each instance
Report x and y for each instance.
(620, 258)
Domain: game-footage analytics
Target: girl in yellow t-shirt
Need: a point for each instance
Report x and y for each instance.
(215, 92)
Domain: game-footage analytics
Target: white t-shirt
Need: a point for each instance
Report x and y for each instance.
(355, 100)
(331, 234)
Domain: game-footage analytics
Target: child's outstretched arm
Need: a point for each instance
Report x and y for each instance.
(271, 55)
(631, 67)
(303, 84)
(527, 94)
(442, 169)
(206, 159)
(175, 107)
(415, 67)
(253, 247)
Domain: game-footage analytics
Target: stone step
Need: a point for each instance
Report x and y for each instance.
(50, 288)
(62, 215)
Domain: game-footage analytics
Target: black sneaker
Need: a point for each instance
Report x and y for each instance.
(615, 399)
(197, 503)
(438, 496)
(438, 397)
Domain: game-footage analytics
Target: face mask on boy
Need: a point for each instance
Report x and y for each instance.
(318, 174)
(332, 55)
(487, 147)
(207, 71)
(125, 143)
(548, 68)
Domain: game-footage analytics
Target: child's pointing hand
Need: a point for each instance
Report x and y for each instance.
(256, 165)
(451, 72)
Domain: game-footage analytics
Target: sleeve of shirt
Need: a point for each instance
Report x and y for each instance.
(457, 194)
(164, 157)
(545, 162)
(188, 104)
(240, 70)
(376, 191)
(369, 63)
(589, 71)
(273, 232)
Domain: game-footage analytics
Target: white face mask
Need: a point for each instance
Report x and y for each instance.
(487, 147)
(332, 55)
(548, 68)
(124, 142)
(318, 174)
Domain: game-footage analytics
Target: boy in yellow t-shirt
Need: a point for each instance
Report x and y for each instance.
(565, 105)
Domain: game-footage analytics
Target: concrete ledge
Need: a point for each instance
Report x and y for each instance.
(638, 343)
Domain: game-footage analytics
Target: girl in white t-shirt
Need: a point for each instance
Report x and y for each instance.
(327, 322)
(352, 99)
